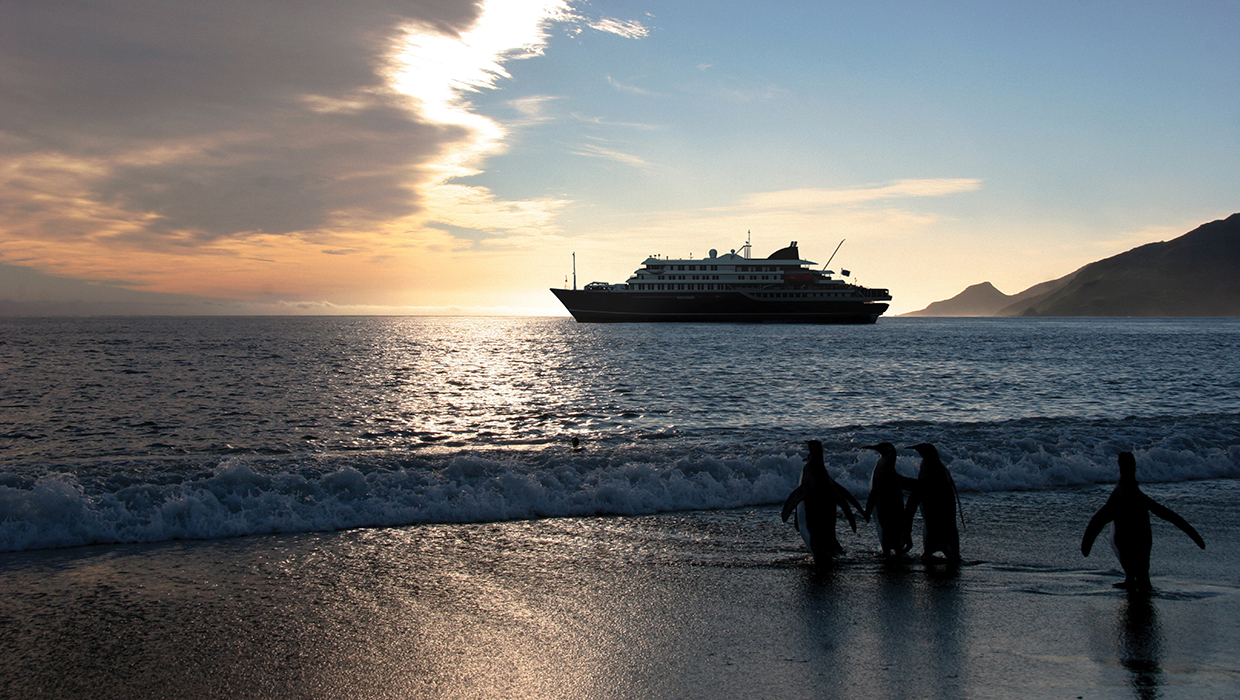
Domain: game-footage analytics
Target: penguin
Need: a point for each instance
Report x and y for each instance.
(886, 502)
(814, 502)
(1130, 510)
(936, 494)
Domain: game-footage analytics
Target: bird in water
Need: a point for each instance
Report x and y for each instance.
(936, 494)
(814, 502)
(886, 502)
(1129, 509)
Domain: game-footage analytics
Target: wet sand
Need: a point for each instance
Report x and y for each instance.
(683, 605)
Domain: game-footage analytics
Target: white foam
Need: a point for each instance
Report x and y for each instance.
(251, 495)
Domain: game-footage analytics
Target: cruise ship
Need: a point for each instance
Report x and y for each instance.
(729, 288)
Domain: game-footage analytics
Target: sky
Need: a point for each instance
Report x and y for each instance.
(443, 156)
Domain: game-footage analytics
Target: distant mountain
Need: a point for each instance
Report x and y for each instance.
(985, 300)
(979, 300)
(1035, 294)
(1197, 274)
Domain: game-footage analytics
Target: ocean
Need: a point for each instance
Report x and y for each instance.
(319, 507)
(119, 430)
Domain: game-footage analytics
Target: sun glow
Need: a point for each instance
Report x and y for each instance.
(440, 71)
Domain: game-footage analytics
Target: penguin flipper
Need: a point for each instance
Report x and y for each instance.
(852, 520)
(1104, 515)
(847, 496)
(959, 507)
(1170, 516)
(797, 495)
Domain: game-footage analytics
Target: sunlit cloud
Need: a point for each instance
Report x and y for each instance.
(478, 209)
(595, 150)
(812, 199)
(534, 109)
(263, 164)
(629, 29)
(602, 121)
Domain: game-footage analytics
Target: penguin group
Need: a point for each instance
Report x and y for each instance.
(814, 502)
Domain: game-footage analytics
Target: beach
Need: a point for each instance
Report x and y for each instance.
(700, 604)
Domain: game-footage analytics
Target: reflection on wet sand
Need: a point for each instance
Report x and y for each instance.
(1140, 645)
(943, 620)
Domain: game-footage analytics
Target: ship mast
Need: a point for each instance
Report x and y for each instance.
(837, 249)
(574, 271)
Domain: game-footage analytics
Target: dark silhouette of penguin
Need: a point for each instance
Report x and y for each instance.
(1130, 510)
(886, 502)
(936, 494)
(814, 502)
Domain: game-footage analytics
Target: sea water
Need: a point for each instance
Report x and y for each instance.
(120, 430)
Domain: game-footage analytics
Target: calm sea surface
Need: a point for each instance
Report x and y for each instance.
(146, 429)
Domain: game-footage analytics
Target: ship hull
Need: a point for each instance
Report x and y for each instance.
(713, 307)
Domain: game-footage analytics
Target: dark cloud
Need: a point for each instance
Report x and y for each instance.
(223, 117)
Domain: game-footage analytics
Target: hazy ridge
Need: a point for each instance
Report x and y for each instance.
(1192, 275)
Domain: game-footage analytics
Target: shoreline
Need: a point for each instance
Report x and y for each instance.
(723, 603)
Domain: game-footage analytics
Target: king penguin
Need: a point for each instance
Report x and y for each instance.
(814, 502)
(886, 502)
(1130, 510)
(939, 500)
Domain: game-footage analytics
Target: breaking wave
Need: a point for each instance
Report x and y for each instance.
(254, 494)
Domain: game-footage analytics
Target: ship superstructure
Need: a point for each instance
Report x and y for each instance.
(733, 287)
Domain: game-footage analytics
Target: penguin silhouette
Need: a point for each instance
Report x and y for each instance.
(814, 503)
(936, 494)
(1130, 510)
(886, 502)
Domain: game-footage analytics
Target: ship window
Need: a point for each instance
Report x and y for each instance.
(713, 268)
(680, 267)
(692, 268)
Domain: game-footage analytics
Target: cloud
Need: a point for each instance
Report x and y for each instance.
(534, 109)
(631, 89)
(594, 150)
(629, 29)
(812, 216)
(811, 199)
(140, 138)
(194, 121)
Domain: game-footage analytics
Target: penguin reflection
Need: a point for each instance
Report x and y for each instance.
(1140, 646)
(1130, 509)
